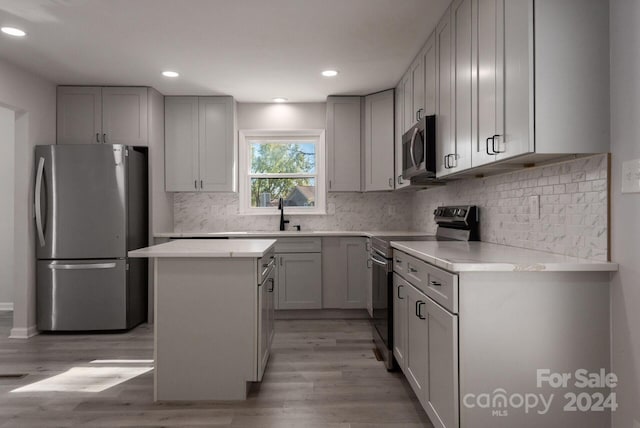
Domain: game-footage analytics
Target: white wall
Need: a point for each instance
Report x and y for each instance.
(625, 212)
(282, 116)
(7, 150)
(34, 101)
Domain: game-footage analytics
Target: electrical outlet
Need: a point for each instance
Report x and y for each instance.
(534, 207)
(631, 176)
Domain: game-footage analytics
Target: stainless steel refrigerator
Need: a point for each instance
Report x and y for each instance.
(90, 209)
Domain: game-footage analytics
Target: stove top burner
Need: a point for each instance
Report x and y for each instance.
(455, 223)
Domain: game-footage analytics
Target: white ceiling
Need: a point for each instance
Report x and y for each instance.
(252, 49)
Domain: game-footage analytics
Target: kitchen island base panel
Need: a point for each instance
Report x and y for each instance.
(205, 330)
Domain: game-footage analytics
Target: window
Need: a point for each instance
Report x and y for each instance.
(282, 164)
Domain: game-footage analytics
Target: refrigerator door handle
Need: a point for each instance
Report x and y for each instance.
(38, 208)
(83, 266)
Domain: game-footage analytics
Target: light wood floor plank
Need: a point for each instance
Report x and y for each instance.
(322, 373)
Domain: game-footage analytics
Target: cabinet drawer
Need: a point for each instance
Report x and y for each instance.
(299, 245)
(440, 285)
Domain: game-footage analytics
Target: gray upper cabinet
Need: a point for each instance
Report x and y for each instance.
(200, 144)
(217, 146)
(445, 143)
(407, 102)
(379, 141)
(461, 26)
(399, 130)
(344, 144)
(505, 92)
(417, 87)
(429, 55)
(124, 116)
(79, 115)
(87, 114)
(181, 144)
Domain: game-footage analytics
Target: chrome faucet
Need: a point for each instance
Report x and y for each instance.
(281, 208)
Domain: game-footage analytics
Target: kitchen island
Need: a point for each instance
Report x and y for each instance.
(213, 302)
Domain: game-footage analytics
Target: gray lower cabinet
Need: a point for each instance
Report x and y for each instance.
(460, 335)
(426, 349)
(344, 273)
(299, 281)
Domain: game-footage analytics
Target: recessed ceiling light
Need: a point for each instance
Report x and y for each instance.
(170, 74)
(16, 32)
(330, 73)
(279, 100)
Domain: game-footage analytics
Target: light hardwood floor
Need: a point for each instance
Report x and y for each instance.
(322, 373)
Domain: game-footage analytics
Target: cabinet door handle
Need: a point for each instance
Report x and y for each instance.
(398, 292)
(447, 163)
(195, 184)
(487, 141)
(398, 261)
(412, 270)
(435, 283)
(201, 184)
(400, 181)
(104, 138)
(419, 304)
(273, 284)
(97, 137)
(493, 144)
(329, 184)
(391, 182)
(419, 114)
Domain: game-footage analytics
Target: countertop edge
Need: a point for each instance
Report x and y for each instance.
(148, 253)
(578, 265)
(289, 234)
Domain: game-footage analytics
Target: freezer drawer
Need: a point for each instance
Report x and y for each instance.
(74, 295)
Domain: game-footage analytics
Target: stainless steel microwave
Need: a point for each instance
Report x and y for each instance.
(419, 149)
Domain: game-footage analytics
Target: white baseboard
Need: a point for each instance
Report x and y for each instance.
(6, 306)
(23, 333)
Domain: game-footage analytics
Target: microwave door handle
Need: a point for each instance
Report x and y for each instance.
(411, 146)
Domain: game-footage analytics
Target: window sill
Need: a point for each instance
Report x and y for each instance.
(277, 213)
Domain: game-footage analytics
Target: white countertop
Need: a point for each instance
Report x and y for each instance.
(486, 257)
(222, 248)
(288, 233)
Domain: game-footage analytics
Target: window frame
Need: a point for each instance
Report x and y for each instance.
(245, 175)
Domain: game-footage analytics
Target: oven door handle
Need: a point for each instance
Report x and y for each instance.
(380, 253)
(377, 261)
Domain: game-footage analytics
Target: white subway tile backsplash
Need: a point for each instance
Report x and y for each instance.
(573, 207)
